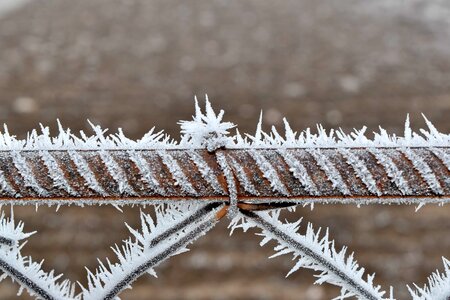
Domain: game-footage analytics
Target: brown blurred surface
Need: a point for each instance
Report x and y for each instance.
(136, 64)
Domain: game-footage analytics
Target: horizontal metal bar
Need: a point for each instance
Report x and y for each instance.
(360, 175)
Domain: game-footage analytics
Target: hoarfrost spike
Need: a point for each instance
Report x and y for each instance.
(111, 168)
(145, 251)
(313, 251)
(438, 287)
(229, 172)
(26, 272)
(269, 173)
(207, 130)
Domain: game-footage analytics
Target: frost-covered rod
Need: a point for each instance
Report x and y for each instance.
(210, 164)
(352, 284)
(190, 219)
(166, 252)
(25, 281)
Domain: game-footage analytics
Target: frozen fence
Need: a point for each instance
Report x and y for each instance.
(209, 164)
(209, 174)
(298, 175)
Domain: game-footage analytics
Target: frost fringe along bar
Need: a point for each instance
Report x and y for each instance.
(231, 175)
(209, 164)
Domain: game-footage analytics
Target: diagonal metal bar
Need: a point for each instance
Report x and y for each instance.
(190, 219)
(356, 285)
(300, 175)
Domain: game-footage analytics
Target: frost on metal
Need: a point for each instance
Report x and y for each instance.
(157, 240)
(315, 251)
(438, 286)
(209, 129)
(217, 173)
(23, 270)
(169, 234)
(206, 130)
(321, 166)
(10, 233)
(177, 225)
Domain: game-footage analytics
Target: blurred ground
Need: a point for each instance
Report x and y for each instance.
(136, 64)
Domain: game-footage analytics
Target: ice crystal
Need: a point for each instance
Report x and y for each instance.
(206, 130)
(392, 171)
(330, 170)
(29, 180)
(438, 286)
(425, 170)
(240, 174)
(206, 172)
(269, 173)
(177, 225)
(314, 251)
(29, 274)
(10, 232)
(56, 173)
(31, 277)
(146, 171)
(180, 178)
(172, 229)
(299, 171)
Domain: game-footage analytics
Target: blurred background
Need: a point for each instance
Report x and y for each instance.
(136, 64)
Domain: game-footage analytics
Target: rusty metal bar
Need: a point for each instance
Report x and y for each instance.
(298, 175)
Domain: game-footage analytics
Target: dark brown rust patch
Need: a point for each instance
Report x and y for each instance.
(318, 176)
(16, 180)
(347, 172)
(292, 184)
(384, 183)
(72, 175)
(101, 173)
(416, 183)
(437, 166)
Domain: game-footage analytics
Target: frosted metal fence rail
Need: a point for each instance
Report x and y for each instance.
(210, 174)
(358, 175)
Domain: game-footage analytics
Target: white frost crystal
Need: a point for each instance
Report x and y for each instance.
(438, 286)
(315, 251)
(26, 272)
(206, 130)
(177, 225)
